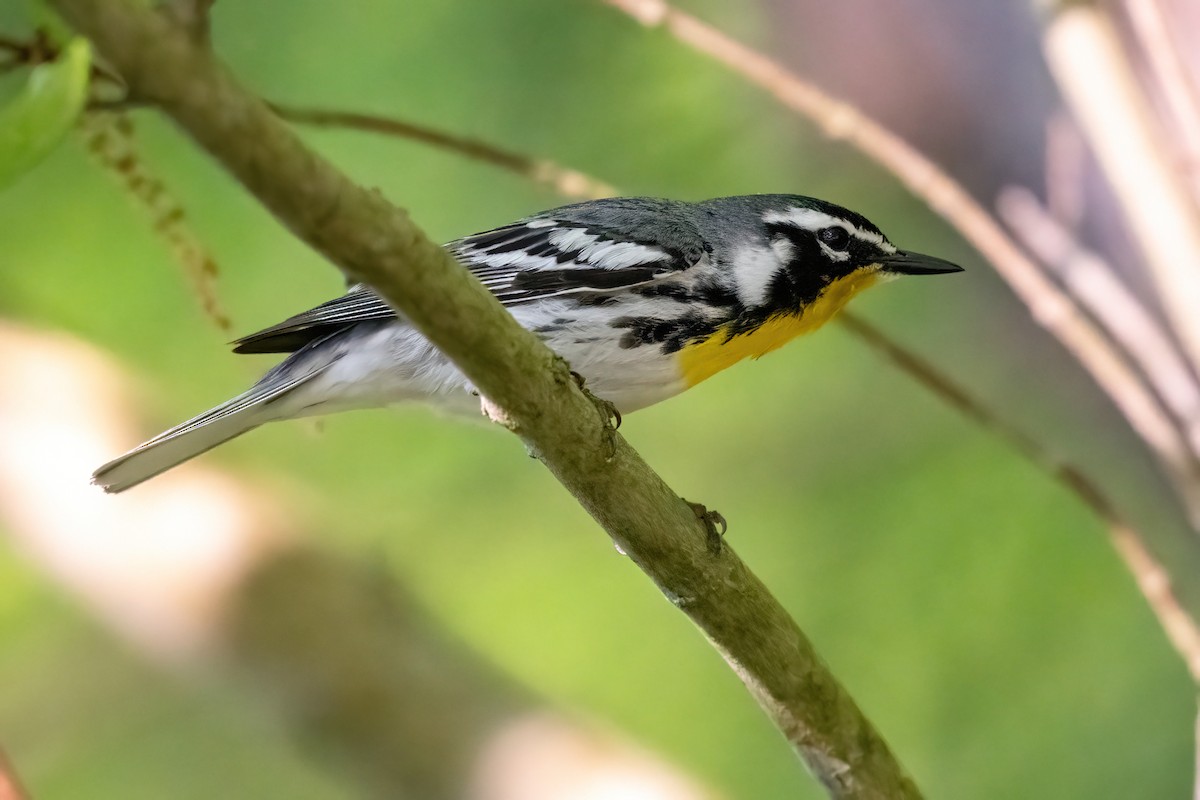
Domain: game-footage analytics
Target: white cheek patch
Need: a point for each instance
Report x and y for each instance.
(755, 268)
(812, 220)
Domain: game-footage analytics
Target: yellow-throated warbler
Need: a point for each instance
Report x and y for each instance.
(643, 297)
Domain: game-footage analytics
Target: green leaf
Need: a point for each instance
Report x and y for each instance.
(32, 125)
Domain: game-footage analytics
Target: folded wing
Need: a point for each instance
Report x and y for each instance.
(531, 260)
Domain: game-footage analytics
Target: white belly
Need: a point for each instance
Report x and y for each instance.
(392, 363)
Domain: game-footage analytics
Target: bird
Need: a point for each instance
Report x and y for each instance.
(644, 297)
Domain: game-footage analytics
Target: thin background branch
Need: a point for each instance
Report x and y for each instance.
(1065, 167)
(544, 172)
(1097, 80)
(1096, 285)
(1049, 306)
(1153, 580)
(1179, 93)
(109, 138)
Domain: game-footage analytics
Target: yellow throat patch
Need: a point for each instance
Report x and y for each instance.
(702, 360)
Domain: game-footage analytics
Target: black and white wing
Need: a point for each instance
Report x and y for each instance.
(534, 259)
(546, 257)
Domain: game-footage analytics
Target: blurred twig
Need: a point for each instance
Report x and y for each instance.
(547, 173)
(376, 243)
(26, 52)
(1096, 285)
(1171, 75)
(1065, 167)
(1049, 306)
(109, 138)
(1095, 76)
(1151, 578)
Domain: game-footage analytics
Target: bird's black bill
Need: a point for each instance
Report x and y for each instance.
(905, 263)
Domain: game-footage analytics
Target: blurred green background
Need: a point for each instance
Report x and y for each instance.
(973, 608)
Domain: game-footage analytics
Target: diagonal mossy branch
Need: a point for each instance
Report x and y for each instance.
(375, 242)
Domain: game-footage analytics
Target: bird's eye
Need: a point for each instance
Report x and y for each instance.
(835, 238)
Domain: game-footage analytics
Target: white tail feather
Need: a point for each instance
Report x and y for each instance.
(171, 449)
(201, 434)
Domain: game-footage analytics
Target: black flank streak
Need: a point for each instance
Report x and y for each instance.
(672, 334)
(717, 295)
(555, 326)
(688, 328)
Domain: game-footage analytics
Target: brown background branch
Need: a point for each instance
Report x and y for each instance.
(544, 172)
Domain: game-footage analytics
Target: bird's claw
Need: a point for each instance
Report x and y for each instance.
(607, 409)
(612, 417)
(714, 524)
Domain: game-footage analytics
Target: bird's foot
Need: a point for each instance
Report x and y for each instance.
(607, 409)
(714, 524)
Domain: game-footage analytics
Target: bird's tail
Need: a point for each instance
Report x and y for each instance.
(198, 435)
